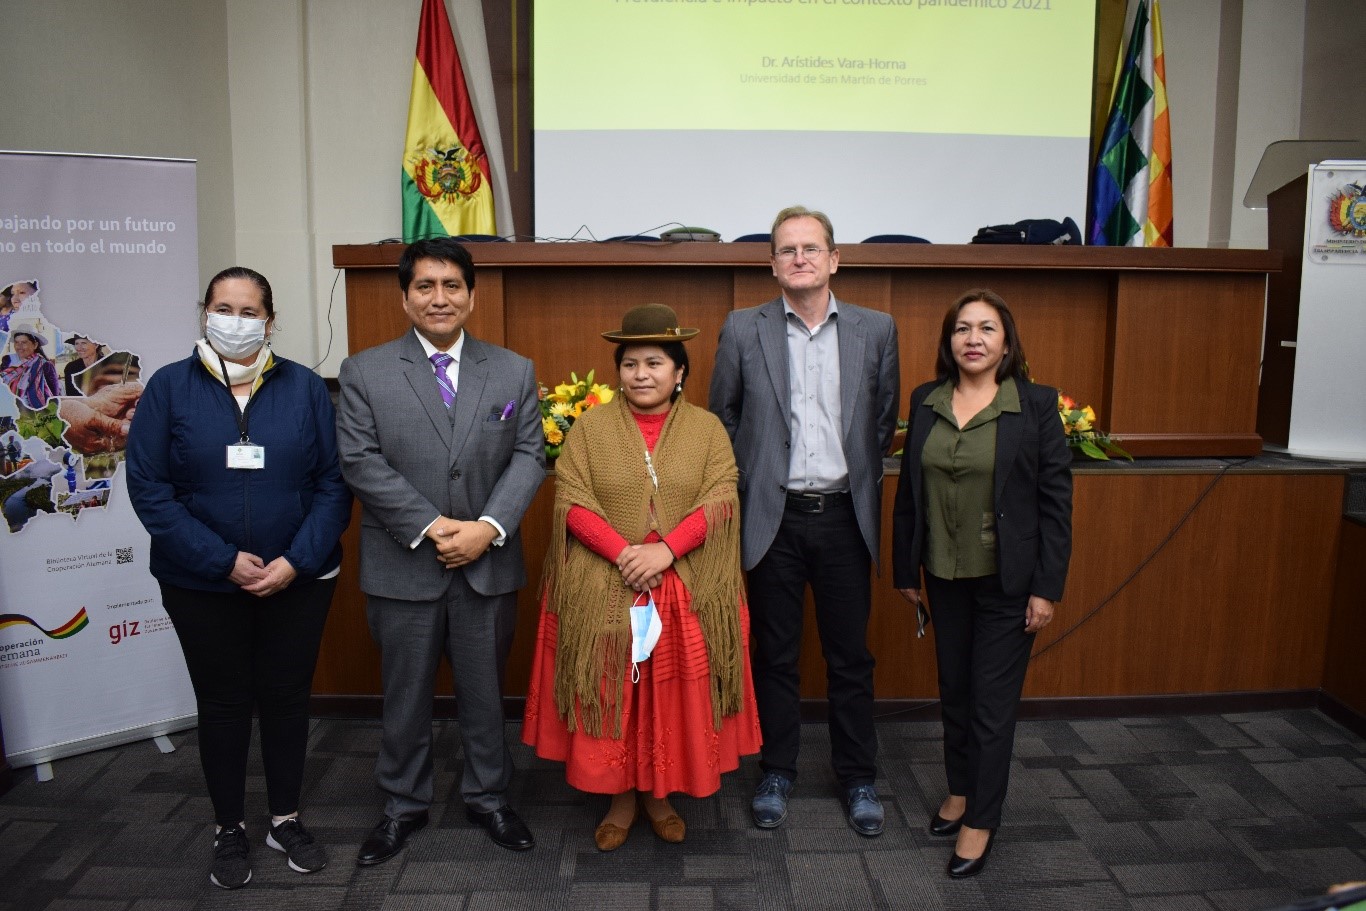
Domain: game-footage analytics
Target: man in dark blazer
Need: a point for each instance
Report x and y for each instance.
(807, 388)
(440, 439)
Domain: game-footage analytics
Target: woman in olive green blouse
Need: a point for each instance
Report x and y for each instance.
(984, 506)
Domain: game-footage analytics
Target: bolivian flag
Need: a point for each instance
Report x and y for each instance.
(446, 187)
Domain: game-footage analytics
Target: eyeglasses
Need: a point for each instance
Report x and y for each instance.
(787, 254)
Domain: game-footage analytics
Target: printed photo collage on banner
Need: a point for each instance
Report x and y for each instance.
(65, 409)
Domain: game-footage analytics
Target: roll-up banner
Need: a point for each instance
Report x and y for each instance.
(1327, 410)
(98, 282)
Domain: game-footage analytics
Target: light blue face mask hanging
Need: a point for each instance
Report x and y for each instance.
(645, 629)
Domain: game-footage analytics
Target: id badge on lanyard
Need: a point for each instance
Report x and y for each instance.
(243, 454)
(246, 455)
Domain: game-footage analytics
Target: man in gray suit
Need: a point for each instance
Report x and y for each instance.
(440, 438)
(806, 386)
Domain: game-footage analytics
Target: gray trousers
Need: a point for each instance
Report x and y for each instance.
(475, 633)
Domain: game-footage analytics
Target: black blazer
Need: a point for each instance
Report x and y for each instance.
(1033, 498)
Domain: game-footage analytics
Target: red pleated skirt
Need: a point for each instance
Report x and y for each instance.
(668, 742)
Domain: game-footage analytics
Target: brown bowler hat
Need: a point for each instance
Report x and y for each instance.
(650, 323)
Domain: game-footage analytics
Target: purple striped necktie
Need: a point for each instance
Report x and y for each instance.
(441, 360)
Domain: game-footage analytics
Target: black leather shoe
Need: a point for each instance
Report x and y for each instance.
(387, 838)
(504, 826)
(943, 828)
(962, 868)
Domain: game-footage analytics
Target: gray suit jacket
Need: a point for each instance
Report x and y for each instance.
(750, 394)
(408, 459)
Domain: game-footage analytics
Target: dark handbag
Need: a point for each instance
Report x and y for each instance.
(1030, 231)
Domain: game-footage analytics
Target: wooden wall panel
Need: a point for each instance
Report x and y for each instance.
(535, 542)
(871, 288)
(1344, 675)
(571, 308)
(1239, 600)
(1062, 320)
(756, 286)
(348, 663)
(906, 668)
(374, 307)
(1186, 353)
(489, 319)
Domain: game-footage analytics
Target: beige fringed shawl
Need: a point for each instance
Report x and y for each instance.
(602, 468)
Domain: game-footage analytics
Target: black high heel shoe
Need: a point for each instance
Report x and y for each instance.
(962, 868)
(943, 828)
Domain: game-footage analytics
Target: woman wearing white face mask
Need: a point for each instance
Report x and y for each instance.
(232, 468)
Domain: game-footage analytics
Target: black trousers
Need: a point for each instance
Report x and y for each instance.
(983, 653)
(245, 652)
(826, 551)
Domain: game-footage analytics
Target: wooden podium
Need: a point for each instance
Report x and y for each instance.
(1164, 343)
(1285, 229)
(1281, 185)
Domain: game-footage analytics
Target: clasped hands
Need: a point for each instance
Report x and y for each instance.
(1038, 612)
(460, 543)
(254, 575)
(642, 565)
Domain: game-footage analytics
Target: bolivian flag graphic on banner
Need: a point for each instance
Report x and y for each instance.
(446, 186)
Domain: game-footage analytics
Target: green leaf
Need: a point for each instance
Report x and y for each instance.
(1116, 449)
(1094, 451)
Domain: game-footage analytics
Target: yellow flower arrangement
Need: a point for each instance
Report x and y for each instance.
(561, 408)
(1078, 422)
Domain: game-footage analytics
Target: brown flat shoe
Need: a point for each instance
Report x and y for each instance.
(670, 828)
(609, 836)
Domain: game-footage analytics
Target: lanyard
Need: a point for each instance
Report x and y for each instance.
(241, 412)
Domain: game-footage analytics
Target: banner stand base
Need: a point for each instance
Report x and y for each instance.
(156, 732)
(43, 771)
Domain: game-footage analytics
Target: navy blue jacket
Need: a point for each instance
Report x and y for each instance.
(199, 512)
